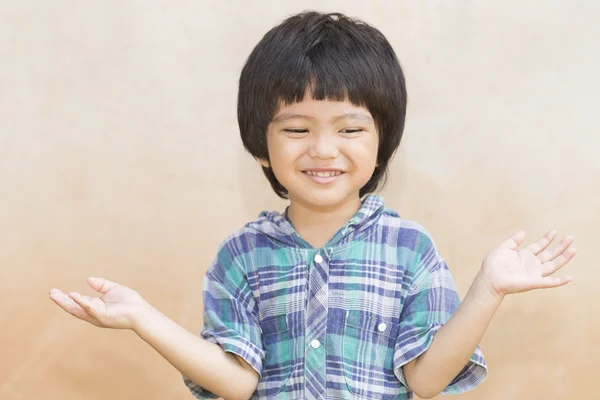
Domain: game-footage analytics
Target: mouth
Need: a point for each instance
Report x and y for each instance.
(323, 176)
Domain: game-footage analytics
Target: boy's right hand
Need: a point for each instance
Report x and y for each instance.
(119, 307)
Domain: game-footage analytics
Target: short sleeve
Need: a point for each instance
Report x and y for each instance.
(429, 304)
(230, 317)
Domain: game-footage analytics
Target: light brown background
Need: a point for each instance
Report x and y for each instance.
(120, 157)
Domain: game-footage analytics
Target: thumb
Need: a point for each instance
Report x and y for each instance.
(514, 241)
(100, 284)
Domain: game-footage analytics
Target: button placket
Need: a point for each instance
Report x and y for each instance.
(316, 324)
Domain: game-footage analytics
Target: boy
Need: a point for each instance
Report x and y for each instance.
(339, 297)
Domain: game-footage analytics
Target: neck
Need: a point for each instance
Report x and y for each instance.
(317, 225)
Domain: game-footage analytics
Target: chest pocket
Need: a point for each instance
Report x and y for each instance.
(280, 354)
(368, 352)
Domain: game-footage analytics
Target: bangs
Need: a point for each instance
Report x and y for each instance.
(335, 68)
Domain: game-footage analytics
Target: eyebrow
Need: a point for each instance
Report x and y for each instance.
(286, 115)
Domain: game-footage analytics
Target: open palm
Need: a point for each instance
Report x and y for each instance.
(509, 269)
(119, 306)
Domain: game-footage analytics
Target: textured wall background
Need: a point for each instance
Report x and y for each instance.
(120, 157)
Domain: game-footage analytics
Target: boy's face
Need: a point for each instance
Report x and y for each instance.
(322, 152)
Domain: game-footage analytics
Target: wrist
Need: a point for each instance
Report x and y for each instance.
(144, 318)
(484, 293)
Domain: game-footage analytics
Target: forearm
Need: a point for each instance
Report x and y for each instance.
(203, 362)
(454, 343)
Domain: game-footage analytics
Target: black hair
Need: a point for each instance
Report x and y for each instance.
(335, 57)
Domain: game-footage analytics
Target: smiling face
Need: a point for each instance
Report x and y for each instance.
(322, 151)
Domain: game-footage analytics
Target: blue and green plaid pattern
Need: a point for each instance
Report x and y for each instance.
(337, 322)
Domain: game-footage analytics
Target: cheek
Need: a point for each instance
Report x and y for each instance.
(363, 154)
(285, 152)
(283, 157)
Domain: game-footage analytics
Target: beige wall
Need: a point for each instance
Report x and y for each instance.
(120, 157)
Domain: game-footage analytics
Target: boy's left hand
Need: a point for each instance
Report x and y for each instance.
(508, 269)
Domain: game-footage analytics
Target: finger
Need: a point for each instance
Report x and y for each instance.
(556, 250)
(70, 306)
(549, 268)
(100, 284)
(514, 241)
(554, 281)
(82, 301)
(89, 304)
(67, 304)
(542, 243)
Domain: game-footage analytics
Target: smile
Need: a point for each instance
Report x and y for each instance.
(324, 174)
(323, 177)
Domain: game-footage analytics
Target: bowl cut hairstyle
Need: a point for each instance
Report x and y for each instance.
(336, 58)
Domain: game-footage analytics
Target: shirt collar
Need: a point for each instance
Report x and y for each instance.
(281, 229)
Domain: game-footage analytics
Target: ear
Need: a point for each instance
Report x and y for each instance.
(264, 163)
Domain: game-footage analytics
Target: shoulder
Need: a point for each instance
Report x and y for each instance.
(240, 240)
(408, 234)
(415, 247)
(242, 245)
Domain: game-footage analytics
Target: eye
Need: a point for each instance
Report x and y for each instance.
(296, 132)
(352, 132)
(299, 130)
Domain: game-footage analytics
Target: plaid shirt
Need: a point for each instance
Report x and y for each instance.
(337, 322)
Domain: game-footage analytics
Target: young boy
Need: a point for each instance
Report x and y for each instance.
(338, 297)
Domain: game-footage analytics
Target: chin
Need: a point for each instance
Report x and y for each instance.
(323, 198)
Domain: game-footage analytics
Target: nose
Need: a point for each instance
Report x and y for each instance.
(324, 147)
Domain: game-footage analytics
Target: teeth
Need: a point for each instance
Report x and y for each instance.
(323, 174)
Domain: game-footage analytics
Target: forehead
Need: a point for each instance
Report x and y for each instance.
(310, 108)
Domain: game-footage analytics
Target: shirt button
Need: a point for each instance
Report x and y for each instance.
(315, 344)
(318, 258)
(382, 327)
